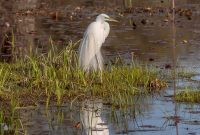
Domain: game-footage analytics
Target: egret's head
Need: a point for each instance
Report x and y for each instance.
(104, 17)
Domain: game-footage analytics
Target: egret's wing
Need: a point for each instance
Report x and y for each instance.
(86, 51)
(90, 45)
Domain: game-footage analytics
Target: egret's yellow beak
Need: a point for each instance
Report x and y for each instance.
(112, 20)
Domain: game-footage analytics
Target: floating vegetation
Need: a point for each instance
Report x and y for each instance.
(188, 96)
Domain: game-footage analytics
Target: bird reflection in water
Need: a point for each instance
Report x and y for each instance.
(91, 119)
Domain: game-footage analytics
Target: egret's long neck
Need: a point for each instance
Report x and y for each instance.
(99, 19)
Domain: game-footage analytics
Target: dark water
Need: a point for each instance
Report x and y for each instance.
(35, 22)
(38, 21)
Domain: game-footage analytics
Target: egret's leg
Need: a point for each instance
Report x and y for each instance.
(99, 60)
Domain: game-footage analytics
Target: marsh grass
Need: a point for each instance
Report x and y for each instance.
(56, 77)
(188, 96)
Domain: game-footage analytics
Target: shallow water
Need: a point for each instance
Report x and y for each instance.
(154, 115)
(38, 21)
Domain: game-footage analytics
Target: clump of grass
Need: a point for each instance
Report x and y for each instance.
(188, 96)
(56, 77)
(9, 119)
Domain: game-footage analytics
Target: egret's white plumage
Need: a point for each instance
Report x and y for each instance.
(90, 57)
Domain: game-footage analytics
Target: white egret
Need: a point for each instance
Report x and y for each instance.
(90, 57)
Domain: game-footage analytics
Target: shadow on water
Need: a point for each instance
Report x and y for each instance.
(145, 29)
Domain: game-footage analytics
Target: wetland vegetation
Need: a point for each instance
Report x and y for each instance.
(188, 96)
(56, 77)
